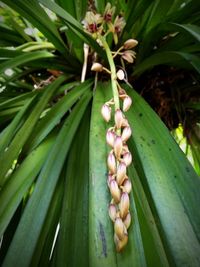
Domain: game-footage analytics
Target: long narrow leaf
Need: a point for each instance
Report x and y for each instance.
(29, 229)
(12, 152)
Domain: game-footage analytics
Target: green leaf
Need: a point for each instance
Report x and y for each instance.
(167, 58)
(7, 134)
(156, 256)
(43, 251)
(20, 182)
(37, 16)
(29, 229)
(24, 58)
(158, 13)
(74, 216)
(170, 184)
(53, 117)
(22, 135)
(193, 30)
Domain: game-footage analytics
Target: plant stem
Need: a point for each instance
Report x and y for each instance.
(113, 72)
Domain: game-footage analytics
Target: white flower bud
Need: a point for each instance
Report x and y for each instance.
(119, 228)
(119, 118)
(96, 67)
(118, 146)
(125, 123)
(129, 56)
(127, 186)
(127, 220)
(124, 205)
(130, 43)
(120, 75)
(126, 134)
(120, 244)
(127, 157)
(110, 138)
(112, 212)
(127, 103)
(111, 163)
(115, 191)
(110, 178)
(106, 112)
(121, 173)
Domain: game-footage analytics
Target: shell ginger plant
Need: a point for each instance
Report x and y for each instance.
(119, 158)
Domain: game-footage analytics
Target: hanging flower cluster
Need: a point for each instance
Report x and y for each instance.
(119, 158)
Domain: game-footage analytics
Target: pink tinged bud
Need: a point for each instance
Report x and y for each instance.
(110, 178)
(127, 187)
(115, 191)
(106, 112)
(129, 56)
(118, 146)
(130, 43)
(126, 134)
(124, 205)
(97, 67)
(112, 212)
(118, 118)
(110, 138)
(122, 92)
(125, 123)
(127, 103)
(120, 75)
(127, 157)
(125, 148)
(127, 220)
(111, 163)
(119, 228)
(121, 173)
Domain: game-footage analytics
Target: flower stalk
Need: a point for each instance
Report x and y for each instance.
(119, 157)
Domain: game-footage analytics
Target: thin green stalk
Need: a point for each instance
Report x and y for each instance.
(113, 72)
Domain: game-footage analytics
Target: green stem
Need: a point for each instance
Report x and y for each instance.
(113, 72)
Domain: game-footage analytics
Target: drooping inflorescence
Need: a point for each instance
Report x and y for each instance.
(119, 158)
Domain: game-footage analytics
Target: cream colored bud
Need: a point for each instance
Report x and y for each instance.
(119, 228)
(110, 138)
(122, 92)
(126, 134)
(120, 244)
(129, 56)
(120, 75)
(127, 220)
(125, 148)
(127, 157)
(130, 43)
(124, 205)
(115, 191)
(97, 67)
(111, 163)
(121, 173)
(106, 112)
(127, 103)
(110, 178)
(118, 146)
(127, 187)
(119, 118)
(112, 212)
(125, 123)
